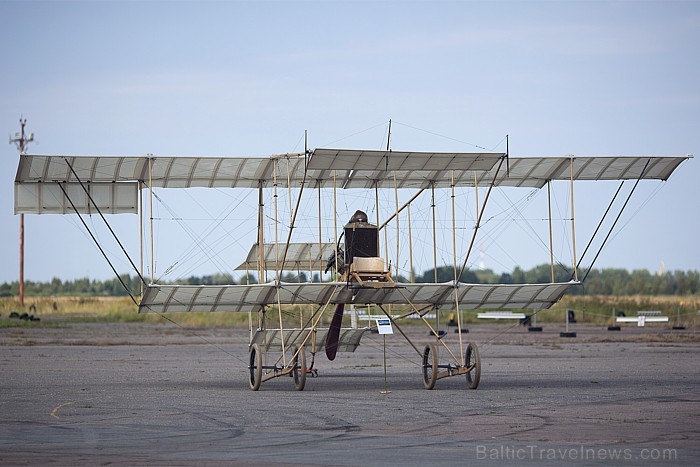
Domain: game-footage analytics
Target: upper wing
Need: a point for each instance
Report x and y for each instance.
(114, 181)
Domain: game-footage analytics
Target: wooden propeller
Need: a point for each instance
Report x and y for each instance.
(334, 332)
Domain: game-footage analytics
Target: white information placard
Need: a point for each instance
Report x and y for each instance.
(384, 326)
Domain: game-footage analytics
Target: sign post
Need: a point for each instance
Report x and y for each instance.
(384, 328)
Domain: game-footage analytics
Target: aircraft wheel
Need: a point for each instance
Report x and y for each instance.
(255, 367)
(471, 357)
(299, 369)
(430, 366)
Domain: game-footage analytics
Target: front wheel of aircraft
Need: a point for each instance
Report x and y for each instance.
(430, 366)
(299, 368)
(471, 358)
(255, 367)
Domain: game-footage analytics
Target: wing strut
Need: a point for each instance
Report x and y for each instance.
(294, 217)
(478, 221)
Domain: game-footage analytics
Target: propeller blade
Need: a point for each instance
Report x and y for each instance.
(334, 332)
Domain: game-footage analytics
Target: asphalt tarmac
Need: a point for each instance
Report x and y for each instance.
(133, 394)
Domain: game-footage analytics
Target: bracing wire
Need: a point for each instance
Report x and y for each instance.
(87, 192)
(641, 206)
(60, 185)
(599, 224)
(198, 241)
(355, 134)
(616, 219)
(441, 136)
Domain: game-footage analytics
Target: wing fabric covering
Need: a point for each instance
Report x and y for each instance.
(244, 298)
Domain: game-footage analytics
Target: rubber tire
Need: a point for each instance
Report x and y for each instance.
(471, 357)
(299, 369)
(430, 366)
(255, 367)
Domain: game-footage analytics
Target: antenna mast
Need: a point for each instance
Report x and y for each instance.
(388, 138)
(21, 141)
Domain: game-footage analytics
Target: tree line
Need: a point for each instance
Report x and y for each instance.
(609, 281)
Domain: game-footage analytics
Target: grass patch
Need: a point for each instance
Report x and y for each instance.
(58, 311)
(598, 309)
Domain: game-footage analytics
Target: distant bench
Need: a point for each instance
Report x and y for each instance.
(500, 315)
(644, 317)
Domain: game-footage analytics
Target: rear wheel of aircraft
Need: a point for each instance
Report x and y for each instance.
(430, 366)
(255, 367)
(299, 369)
(471, 357)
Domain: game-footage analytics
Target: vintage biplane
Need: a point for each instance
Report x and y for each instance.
(359, 271)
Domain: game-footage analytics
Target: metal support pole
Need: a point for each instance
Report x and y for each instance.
(454, 267)
(385, 391)
(141, 233)
(398, 242)
(478, 220)
(320, 235)
(551, 241)
(150, 212)
(476, 197)
(335, 224)
(410, 246)
(376, 203)
(294, 216)
(573, 228)
(432, 207)
(277, 271)
(261, 237)
(386, 249)
(21, 260)
(435, 273)
(289, 188)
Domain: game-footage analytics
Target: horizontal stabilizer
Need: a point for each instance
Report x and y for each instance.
(300, 257)
(69, 197)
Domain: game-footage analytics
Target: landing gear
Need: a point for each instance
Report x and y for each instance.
(296, 368)
(433, 371)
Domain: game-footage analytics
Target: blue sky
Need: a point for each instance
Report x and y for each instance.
(247, 78)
